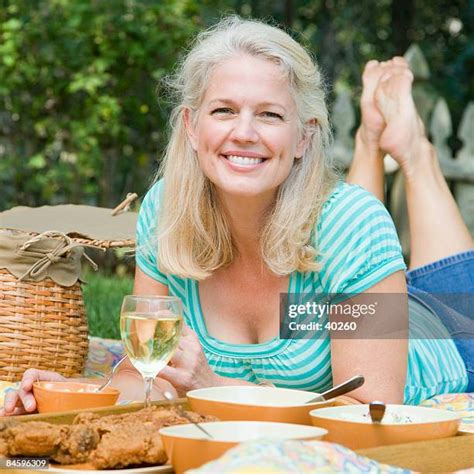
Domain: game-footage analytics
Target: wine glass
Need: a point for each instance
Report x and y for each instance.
(150, 327)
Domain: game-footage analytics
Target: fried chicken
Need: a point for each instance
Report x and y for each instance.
(35, 438)
(175, 418)
(132, 438)
(85, 418)
(160, 416)
(62, 443)
(111, 441)
(104, 422)
(129, 443)
(77, 443)
(4, 436)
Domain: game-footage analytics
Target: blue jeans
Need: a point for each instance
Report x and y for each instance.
(447, 288)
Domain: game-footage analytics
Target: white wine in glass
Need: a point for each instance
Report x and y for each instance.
(150, 327)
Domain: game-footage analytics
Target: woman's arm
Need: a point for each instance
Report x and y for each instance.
(145, 285)
(383, 362)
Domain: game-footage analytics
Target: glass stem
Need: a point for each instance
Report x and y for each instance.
(148, 387)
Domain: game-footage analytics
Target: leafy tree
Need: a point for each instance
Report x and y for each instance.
(80, 120)
(79, 116)
(344, 35)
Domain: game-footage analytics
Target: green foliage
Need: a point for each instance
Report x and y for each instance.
(103, 299)
(80, 120)
(345, 34)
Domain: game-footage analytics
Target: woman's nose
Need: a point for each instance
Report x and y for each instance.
(244, 130)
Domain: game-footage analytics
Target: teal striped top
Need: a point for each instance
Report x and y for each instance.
(358, 247)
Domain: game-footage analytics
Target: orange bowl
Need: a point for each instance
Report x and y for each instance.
(351, 425)
(187, 447)
(64, 396)
(249, 403)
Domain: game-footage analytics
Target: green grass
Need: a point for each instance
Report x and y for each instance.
(103, 296)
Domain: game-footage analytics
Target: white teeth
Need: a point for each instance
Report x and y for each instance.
(242, 160)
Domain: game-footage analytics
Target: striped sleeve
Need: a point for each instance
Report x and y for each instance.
(146, 235)
(434, 363)
(358, 242)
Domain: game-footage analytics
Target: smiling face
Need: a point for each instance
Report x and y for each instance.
(246, 131)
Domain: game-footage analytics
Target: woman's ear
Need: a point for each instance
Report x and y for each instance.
(305, 137)
(188, 125)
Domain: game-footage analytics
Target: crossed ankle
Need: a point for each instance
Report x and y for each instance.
(369, 148)
(420, 162)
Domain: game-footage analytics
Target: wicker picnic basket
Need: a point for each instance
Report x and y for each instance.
(43, 322)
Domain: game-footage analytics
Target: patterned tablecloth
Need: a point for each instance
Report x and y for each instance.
(462, 403)
(103, 354)
(275, 457)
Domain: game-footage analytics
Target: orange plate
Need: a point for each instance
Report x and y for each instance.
(64, 396)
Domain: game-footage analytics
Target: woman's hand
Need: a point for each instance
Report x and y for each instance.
(21, 401)
(189, 368)
(130, 383)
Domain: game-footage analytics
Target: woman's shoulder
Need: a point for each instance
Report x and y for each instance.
(342, 192)
(346, 203)
(146, 222)
(153, 194)
(356, 240)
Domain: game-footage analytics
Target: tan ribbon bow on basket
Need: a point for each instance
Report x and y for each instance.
(47, 257)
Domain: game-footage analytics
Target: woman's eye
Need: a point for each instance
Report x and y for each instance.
(272, 115)
(222, 110)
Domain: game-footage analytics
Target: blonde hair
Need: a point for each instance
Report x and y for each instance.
(194, 238)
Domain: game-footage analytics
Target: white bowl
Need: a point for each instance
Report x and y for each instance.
(252, 403)
(187, 447)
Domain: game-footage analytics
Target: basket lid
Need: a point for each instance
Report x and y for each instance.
(78, 221)
(35, 258)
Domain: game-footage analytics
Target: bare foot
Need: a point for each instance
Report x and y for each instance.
(404, 134)
(372, 123)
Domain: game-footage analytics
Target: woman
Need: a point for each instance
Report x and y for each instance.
(248, 208)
